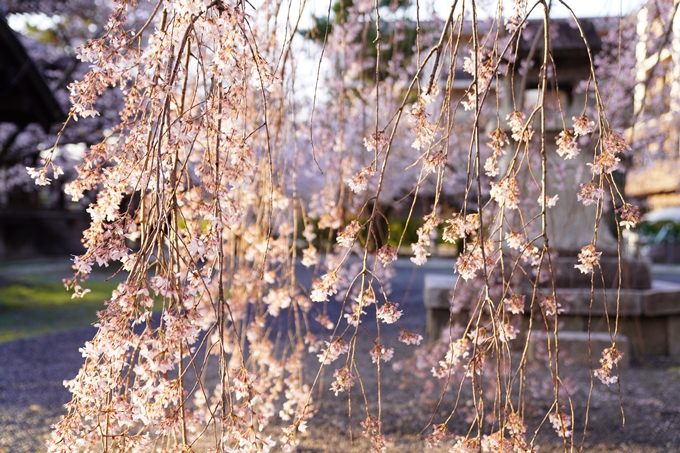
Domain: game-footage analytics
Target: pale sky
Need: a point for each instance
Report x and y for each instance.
(582, 8)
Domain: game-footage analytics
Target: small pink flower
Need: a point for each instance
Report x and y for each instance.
(520, 131)
(630, 215)
(438, 435)
(551, 306)
(514, 240)
(333, 350)
(515, 304)
(590, 194)
(347, 237)
(588, 259)
(387, 254)
(388, 313)
(498, 140)
(376, 142)
(566, 145)
(410, 338)
(561, 422)
(582, 125)
(324, 288)
(359, 182)
(505, 193)
(610, 357)
(344, 380)
(434, 161)
(380, 352)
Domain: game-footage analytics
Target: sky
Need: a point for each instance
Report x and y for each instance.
(596, 8)
(582, 8)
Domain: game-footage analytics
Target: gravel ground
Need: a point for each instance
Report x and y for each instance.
(31, 390)
(31, 397)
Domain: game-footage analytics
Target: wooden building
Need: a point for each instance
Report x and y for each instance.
(29, 227)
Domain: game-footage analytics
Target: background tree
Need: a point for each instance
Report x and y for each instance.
(51, 31)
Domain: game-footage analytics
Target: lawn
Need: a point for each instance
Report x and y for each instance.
(37, 303)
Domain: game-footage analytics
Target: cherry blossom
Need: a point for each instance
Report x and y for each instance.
(520, 131)
(561, 422)
(566, 145)
(380, 352)
(583, 126)
(334, 349)
(590, 194)
(588, 258)
(610, 357)
(506, 193)
(630, 215)
(388, 313)
(344, 380)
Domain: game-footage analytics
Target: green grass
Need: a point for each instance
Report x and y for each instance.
(29, 308)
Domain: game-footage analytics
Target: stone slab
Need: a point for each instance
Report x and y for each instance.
(577, 301)
(660, 300)
(635, 274)
(574, 347)
(649, 318)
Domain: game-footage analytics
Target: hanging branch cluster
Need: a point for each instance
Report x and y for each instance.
(209, 195)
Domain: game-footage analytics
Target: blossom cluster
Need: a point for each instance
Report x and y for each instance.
(334, 349)
(608, 161)
(344, 380)
(521, 132)
(590, 194)
(498, 141)
(425, 131)
(431, 221)
(561, 422)
(483, 62)
(610, 357)
(506, 193)
(630, 215)
(566, 145)
(474, 259)
(588, 258)
(459, 227)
